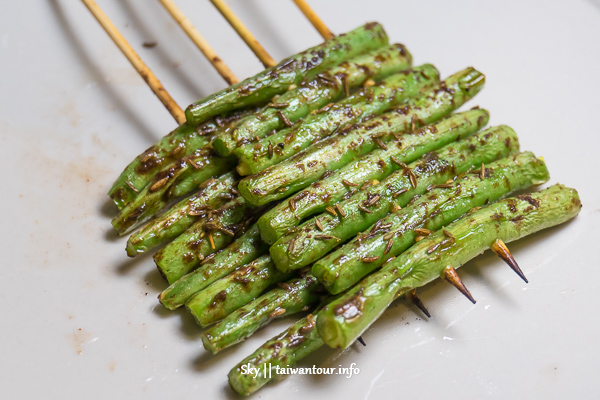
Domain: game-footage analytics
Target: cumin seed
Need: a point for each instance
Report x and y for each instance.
(390, 243)
(370, 259)
(340, 210)
(318, 223)
(159, 184)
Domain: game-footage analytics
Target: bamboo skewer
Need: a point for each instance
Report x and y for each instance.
(314, 19)
(244, 33)
(136, 61)
(199, 41)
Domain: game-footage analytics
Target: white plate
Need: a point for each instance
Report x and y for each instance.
(81, 320)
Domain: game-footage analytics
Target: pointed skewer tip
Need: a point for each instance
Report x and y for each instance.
(499, 247)
(413, 298)
(451, 276)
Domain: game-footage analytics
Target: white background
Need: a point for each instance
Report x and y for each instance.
(80, 320)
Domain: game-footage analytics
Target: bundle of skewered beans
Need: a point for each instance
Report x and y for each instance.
(342, 170)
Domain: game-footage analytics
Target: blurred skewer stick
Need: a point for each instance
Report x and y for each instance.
(199, 41)
(244, 33)
(314, 19)
(136, 61)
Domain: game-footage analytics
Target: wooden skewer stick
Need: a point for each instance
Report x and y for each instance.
(314, 19)
(199, 41)
(136, 61)
(244, 33)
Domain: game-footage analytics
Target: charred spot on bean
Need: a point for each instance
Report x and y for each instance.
(352, 307)
(259, 192)
(529, 199)
(242, 280)
(219, 297)
(349, 194)
(327, 174)
(188, 258)
(497, 216)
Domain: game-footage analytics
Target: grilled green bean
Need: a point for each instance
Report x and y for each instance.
(371, 204)
(181, 142)
(291, 297)
(368, 251)
(234, 290)
(344, 319)
(365, 103)
(311, 95)
(202, 239)
(296, 173)
(242, 251)
(282, 351)
(213, 194)
(276, 80)
(165, 186)
(341, 184)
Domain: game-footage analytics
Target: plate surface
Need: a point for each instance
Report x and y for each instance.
(82, 321)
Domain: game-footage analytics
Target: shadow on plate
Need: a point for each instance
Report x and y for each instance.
(80, 51)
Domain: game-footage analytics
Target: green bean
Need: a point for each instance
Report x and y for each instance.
(291, 297)
(366, 207)
(242, 251)
(202, 239)
(182, 142)
(328, 86)
(164, 187)
(344, 319)
(340, 184)
(296, 173)
(368, 251)
(282, 351)
(213, 194)
(235, 290)
(364, 104)
(276, 80)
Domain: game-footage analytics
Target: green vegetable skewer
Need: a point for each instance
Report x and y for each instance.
(328, 86)
(242, 251)
(289, 298)
(366, 207)
(342, 184)
(367, 102)
(234, 290)
(302, 339)
(443, 205)
(202, 239)
(296, 173)
(344, 267)
(213, 194)
(275, 80)
(344, 319)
